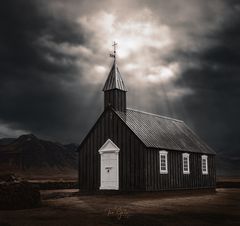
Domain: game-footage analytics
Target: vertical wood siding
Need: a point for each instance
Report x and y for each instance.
(131, 155)
(175, 179)
(115, 98)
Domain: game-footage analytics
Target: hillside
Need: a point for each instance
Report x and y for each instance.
(29, 154)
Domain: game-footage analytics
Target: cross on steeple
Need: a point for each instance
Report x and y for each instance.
(114, 50)
(114, 46)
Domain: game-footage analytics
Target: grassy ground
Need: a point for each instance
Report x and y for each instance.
(67, 208)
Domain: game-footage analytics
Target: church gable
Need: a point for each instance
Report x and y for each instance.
(109, 125)
(110, 132)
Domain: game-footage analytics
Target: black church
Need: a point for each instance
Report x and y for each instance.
(132, 150)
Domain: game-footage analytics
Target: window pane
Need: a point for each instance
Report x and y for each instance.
(163, 163)
(185, 164)
(204, 165)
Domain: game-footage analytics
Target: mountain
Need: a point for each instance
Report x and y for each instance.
(5, 141)
(29, 153)
(71, 146)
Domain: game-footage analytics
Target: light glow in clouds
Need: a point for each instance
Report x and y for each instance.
(135, 37)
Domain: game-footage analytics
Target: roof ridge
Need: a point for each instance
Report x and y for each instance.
(160, 116)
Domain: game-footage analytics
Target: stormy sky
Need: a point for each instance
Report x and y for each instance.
(179, 58)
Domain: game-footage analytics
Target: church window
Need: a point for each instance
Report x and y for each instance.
(163, 158)
(185, 160)
(204, 164)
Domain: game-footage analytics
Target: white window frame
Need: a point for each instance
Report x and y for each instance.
(186, 155)
(165, 154)
(205, 157)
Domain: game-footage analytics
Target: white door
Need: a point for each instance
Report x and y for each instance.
(109, 166)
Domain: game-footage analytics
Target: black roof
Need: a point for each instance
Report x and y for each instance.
(161, 132)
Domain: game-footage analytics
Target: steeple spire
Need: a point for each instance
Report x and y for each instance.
(114, 80)
(114, 88)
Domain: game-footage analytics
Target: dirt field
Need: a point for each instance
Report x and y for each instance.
(66, 208)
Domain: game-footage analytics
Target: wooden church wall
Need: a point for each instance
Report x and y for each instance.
(138, 166)
(131, 155)
(175, 179)
(116, 98)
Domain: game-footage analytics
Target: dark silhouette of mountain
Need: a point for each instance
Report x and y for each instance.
(29, 152)
(71, 146)
(5, 141)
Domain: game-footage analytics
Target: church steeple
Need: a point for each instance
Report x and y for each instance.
(114, 88)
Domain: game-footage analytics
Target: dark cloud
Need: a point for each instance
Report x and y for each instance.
(214, 106)
(37, 94)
